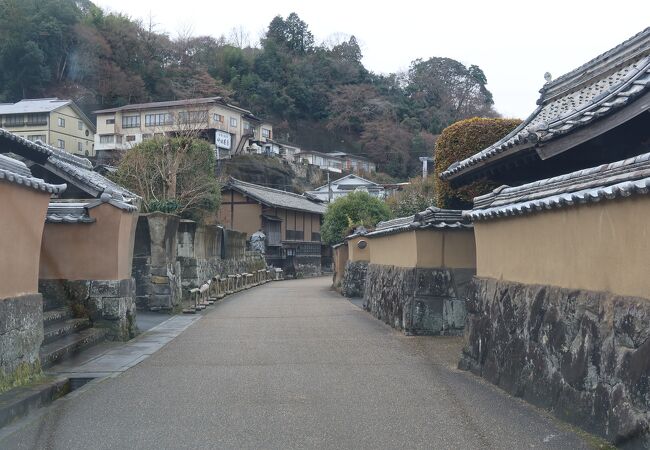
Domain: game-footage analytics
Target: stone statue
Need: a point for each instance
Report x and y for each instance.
(258, 242)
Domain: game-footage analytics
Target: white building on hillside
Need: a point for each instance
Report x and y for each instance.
(343, 186)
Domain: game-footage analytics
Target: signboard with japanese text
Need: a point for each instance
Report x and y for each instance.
(223, 139)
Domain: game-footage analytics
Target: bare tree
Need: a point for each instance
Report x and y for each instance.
(239, 37)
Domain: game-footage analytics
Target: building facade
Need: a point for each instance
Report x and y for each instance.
(323, 160)
(229, 128)
(355, 163)
(343, 186)
(290, 223)
(59, 123)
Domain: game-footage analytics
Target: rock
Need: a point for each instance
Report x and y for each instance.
(354, 278)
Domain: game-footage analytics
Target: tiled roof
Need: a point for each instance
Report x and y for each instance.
(68, 213)
(275, 197)
(73, 169)
(14, 171)
(608, 181)
(174, 103)
(577, 99)
(431, 217)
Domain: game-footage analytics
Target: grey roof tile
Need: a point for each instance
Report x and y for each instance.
(431, 217)
(276, 197)
(605, 182)
(68, 213)
(575, 100)
(16, 172)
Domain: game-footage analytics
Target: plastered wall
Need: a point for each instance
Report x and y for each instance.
(21, 230)
(356, 253)
(603, 246)
(425, 249)
(102, 250)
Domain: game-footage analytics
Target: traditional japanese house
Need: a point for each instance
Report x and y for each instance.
(559, 310)
(290, 222)
(86, 251)
(419, 268)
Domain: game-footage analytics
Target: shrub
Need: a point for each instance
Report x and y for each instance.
(414, 198)
(459, 141)
(346, 213)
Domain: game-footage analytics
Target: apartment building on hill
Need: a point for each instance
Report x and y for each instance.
(230, 128)
(59, 123)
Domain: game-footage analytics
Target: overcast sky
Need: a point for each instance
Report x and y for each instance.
(514, 42)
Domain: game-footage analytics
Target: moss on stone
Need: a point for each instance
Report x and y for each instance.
(25, 373)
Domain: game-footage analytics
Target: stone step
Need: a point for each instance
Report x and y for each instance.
(70, 345)
(63, 328)
(56, 315)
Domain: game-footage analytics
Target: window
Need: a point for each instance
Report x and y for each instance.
(80, 124)
(130, 138)
(131, 121)
(60, 143)
(36, 137)
(154, 120)
(158, 135)
(315, 236)
(61, 122)
(80, 147)
(218, 118)
(295, 235)
(16, 120)
(146, 136)
(185, 117)
(110, 121)
(233, 122)
(106, 138)
(266, 133)
(36, 119)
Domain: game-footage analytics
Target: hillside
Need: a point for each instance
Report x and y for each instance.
(318, 96)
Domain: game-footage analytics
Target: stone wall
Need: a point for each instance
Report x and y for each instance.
(584, 355)
(156, 271)
(21, 334)
(108, 304)
(418, 301)
(354, 278)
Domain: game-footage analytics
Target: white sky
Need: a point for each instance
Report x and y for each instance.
(514, 42)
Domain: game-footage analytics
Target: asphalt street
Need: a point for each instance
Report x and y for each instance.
(292, 364)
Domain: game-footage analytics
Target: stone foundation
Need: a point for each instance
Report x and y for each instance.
(21, 335)
(354, 278)
(583, 355)
(418, 301)
(107, 303)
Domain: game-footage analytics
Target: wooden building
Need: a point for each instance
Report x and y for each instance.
(290, 222)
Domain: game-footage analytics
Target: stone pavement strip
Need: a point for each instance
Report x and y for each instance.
(288, 365)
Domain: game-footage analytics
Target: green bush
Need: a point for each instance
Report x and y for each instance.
(346, 213)
(459, 141)
(414, 198)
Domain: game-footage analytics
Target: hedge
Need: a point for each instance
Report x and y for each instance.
(459, 141)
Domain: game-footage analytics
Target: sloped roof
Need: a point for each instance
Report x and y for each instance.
(73, 169)
(587, 94)
(68, 213)
(276, 197)
(431, 217)
(174, 103)
(341, 181)
(36, 105)
(609, 181)
(43, 105)
(16, 172)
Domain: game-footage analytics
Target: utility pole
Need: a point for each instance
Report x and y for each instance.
(329, 188)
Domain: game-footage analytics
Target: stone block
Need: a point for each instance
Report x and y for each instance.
(158, 289)
(115, 308)
(21, 335)
(159, 279)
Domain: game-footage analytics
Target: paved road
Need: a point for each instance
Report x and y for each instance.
(293, 365)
